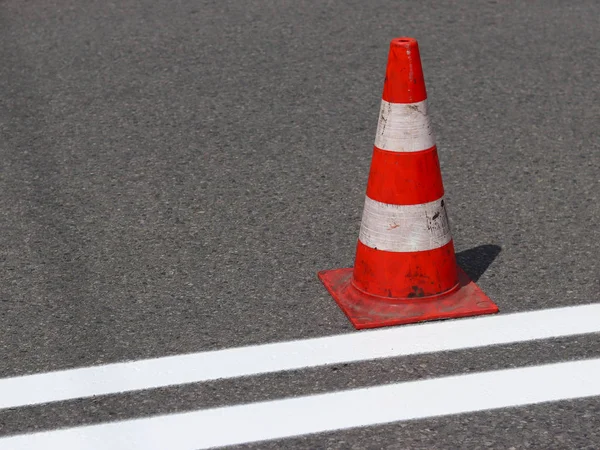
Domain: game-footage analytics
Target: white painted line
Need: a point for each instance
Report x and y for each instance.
(260, 359)
(404, 228)
(326, 412)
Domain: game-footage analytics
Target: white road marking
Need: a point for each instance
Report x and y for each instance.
(326, 412)
(404, 228)
(253, 360)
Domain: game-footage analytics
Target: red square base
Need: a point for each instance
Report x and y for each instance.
(367, 311)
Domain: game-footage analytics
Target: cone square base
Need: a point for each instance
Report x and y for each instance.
(367, 311)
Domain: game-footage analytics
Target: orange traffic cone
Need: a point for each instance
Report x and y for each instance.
(405, 269)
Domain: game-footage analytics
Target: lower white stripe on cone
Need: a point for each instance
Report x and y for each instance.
(404, 127)
(405, 228)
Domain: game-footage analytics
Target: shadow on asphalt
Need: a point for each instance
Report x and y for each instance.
(476, 261)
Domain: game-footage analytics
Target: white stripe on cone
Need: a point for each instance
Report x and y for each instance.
(404, 228)
(404, 127)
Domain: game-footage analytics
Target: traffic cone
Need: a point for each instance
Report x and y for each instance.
(405, 268)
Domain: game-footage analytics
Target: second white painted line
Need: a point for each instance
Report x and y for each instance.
(253, 360)
(327, 412)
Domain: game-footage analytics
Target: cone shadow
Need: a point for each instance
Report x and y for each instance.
(476, 261)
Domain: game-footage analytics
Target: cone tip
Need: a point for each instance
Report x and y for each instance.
(404, 81)
(404, 42)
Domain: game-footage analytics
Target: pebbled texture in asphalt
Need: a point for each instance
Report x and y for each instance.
(174, 173)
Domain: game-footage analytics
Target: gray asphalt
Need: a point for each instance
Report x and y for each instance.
(175, 172)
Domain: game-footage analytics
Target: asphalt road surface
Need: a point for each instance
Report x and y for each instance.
(173, 173)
